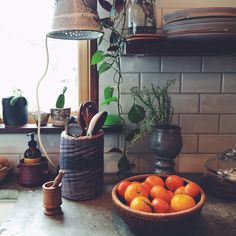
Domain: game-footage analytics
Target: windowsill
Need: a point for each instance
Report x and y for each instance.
(28, 128)
(49, 129)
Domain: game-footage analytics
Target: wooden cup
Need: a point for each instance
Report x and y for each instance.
(52, 199)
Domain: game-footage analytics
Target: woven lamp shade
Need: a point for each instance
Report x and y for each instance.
(75, 20)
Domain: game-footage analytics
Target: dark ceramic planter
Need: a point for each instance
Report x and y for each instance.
(17, 114)
(166, 143)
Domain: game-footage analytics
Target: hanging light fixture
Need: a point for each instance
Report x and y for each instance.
(72, 20)
(75, 20)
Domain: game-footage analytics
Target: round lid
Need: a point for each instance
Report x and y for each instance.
(224, 166)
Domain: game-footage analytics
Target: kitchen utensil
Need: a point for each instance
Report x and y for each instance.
(89, 109)
(96, 123)
(81, 121)
(58, 179)
(86, 111)
(52, 199)
(220, 175)
(216, 183)
(192, 13)
(74, 130)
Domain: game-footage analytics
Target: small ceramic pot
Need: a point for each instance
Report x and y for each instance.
(60, 116)
(44, 118)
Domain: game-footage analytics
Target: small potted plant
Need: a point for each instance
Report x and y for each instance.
(166, 139)
(15, 109)
(44, 116)
(60, 115)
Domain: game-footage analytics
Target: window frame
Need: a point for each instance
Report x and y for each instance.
(87, 89)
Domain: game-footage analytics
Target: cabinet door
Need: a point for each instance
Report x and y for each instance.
(165, 6)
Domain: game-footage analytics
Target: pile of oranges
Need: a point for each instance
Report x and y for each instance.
(157, 195)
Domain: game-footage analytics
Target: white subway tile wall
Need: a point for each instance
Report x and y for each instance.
(204, 98)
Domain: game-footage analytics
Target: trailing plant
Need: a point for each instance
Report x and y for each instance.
(110, 59)
(60, 102)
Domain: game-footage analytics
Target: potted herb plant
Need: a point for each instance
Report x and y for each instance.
(15, 109)
(60, 115)
(166, 140)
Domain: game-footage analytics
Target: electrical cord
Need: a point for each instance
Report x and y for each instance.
(38, 105)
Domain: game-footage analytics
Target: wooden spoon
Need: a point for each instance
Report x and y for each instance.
(96, 123)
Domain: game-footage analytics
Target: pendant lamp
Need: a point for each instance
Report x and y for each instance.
(75, 20)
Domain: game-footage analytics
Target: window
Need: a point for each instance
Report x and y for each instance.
(23, 27)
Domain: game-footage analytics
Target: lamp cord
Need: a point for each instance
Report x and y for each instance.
(38, 105)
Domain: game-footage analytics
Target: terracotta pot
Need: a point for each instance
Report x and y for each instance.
(60, 116)
(166, 143)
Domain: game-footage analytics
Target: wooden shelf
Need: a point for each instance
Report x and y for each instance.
(49, 129)
(165, 47)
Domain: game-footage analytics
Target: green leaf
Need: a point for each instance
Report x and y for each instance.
(116, 150)
(136, 114)
(113, 48)
(64, 90)
(104, 67)
(107, 22)
(97, 57)
(132, 134)
(60, 101)
(114, 37)
(109, 100)
(112, 119)
(108, 92)
(100, 40)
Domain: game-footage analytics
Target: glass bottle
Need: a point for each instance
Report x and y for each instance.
(142, 17)
(32, 155)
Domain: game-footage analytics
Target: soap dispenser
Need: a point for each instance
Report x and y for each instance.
(32, 155)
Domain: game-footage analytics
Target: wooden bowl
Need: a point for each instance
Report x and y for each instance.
(155, 223)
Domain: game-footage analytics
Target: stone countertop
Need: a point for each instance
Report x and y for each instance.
(98, 217)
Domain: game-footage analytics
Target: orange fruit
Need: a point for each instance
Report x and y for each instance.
(147, 186)
(141, 203)
(122, 187)
(181, 202)
(135, 189)
(154, 180)
(172, 182)
(160, 206)
(179, 190)
(192, 189)
(171, 194)
(160, 192)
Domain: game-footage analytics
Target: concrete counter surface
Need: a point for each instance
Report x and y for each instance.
(98, 217)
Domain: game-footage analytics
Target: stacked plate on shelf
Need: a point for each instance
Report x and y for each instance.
(201, 23)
